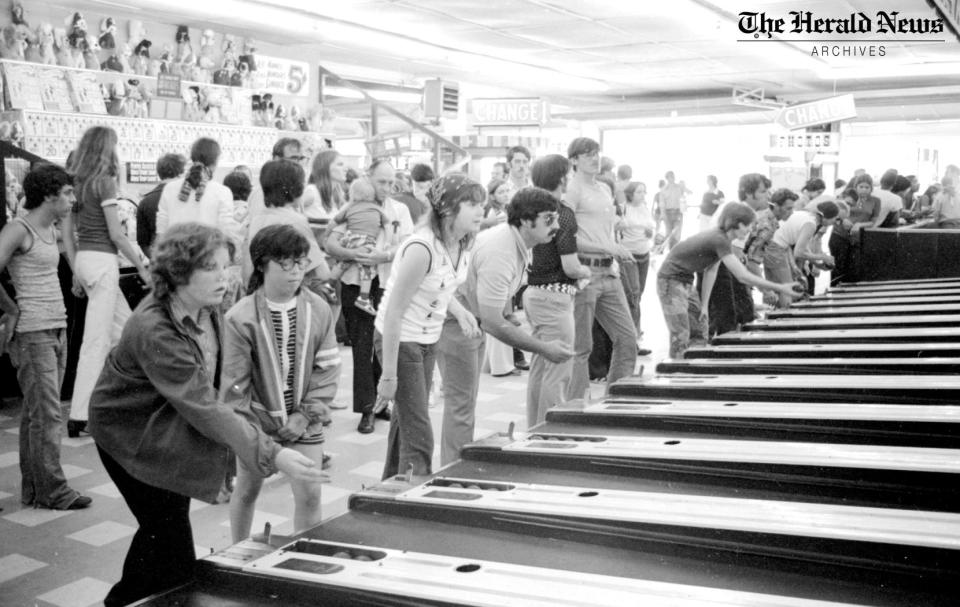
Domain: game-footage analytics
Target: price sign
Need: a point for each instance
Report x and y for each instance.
(168, 86)
(281, 76)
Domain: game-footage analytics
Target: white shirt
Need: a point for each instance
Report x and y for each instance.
(889, 202)
(215, 208)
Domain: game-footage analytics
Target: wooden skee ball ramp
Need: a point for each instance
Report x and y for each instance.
(781, 467)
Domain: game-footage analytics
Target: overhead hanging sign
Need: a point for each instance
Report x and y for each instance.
(817, 112)
(509, 112)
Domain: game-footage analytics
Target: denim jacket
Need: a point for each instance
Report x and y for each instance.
(155, 410)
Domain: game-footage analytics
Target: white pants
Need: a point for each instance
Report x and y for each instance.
(107, 312)
(499, 356)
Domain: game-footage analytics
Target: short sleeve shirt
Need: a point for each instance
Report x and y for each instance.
(547, 267)
(496, 269)
(92, 231)
(595, 212)
(695, 254)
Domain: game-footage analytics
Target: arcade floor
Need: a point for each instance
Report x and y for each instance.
(71, 558)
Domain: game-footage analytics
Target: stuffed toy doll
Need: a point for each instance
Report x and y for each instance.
(212, 101)
(112, 64)
(14, 41)
(206, 60)
(166, 57)
(229, 47)
(16, 14)
(113, 96)
(61, 48)
(89, 48)
(48, 55)
(124, 57)
(249, 50)
(254, 110)
(140, 60)
(191, 105)
(241, 76)
(184, 59)
(133, 100)
(77, 32)
(108, 31)
(32, 51)
(224, 75)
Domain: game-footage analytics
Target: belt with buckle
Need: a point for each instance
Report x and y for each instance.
(597, 262)
(558, 287)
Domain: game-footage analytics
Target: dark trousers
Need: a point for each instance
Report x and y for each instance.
(161, 555)
(366, 369)
(844, 252)
(731, 303)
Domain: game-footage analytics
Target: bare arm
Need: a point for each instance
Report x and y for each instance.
(709, 279)
(11, 239)
(741, 273)
(411, 269)
(572, 267)
(121, 241)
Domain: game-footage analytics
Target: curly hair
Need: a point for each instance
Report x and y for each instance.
(182, 250)
(44, 180)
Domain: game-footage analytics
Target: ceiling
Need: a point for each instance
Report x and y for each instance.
(615, 62)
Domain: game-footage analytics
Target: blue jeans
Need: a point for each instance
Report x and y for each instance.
(462, 357)
(410, 442)
(40, 358)
(604, 300)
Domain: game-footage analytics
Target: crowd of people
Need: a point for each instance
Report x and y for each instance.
(231, 360)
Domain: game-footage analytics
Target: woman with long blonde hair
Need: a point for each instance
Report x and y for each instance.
(323, 195)
(92, 237)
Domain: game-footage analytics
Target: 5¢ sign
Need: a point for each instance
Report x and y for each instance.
(281, 76)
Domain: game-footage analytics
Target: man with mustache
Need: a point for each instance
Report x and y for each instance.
(603, 298)
(497, 264)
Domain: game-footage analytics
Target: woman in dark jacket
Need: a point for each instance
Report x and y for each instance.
(160, 429)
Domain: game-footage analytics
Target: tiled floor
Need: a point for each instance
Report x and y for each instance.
(70, 559)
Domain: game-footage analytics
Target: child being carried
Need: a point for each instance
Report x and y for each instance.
(364, 218)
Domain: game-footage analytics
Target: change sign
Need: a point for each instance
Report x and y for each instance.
(817, 112)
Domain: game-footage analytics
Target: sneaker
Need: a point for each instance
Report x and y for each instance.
(338, 405)
(364, 304)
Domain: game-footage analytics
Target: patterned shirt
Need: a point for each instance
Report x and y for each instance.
(763, 230)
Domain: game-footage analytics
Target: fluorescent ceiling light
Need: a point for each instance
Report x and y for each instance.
(379, 95)
(888, 70)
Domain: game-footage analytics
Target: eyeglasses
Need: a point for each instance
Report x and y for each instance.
(548, 218)
(296, 158)
(287, 264)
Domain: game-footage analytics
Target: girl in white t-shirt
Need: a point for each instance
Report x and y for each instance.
(428, 268)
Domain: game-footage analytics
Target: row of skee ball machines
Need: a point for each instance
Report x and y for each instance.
(810, 459)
